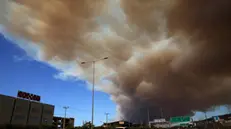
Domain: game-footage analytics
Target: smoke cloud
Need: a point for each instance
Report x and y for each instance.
(171, 56)
(59, 26)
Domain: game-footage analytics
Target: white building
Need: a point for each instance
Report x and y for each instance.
(160, 123)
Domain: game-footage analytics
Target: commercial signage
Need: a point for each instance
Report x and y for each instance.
(28, 96)
(121, 122)
(180, 119)
(159, 120)
(162, 125)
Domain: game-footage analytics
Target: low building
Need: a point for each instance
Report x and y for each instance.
(58, 122)
(225, 117)
(225, 120)
(17, 111)
(160, 123)
(116, 124)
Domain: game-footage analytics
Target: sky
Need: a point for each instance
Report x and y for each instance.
(21, 72)
(18, 71)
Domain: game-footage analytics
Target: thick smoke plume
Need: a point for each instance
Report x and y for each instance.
(185, 65)
(60, 26)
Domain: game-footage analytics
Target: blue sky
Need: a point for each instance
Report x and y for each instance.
(20, 72)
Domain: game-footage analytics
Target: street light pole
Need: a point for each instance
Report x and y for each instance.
(148, 117)
(93, 94)
(64, 121)
(106, 118)
(205, 115)
(93, 86)
(161, 113)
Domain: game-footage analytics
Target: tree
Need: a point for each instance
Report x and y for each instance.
(87, 125)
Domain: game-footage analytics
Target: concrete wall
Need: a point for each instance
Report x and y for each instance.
(48, 113)
(35, 113)
(72, 122)
(6, 109)
(21, 111)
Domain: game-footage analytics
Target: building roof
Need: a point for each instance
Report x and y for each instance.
(118, 121)
(59, 117)
(26, 100)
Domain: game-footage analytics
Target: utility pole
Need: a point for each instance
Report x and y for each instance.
(93, 85)
(106, 114)
(148, 117)
(206, 122)
(205, 115)
(130, 120)
(64, 121)
(161, 113)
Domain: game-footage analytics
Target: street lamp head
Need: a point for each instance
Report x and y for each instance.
(83, 62)
(65, 107)
(105, 58)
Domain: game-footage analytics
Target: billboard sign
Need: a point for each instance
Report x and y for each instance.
(121, 122)
(180, 119)
(159, 120)
(28, 96)
(162, 125)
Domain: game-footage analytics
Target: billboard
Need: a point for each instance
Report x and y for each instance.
(159, 120)
(121, 122)
(160, 123)
(28, 96)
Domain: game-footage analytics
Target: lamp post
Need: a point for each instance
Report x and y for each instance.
(64, 121)
(93, 85)
(148, 118)
(161, 113)
(106, 114)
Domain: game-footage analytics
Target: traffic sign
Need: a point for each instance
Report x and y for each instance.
(180, 119)
(216, 118)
